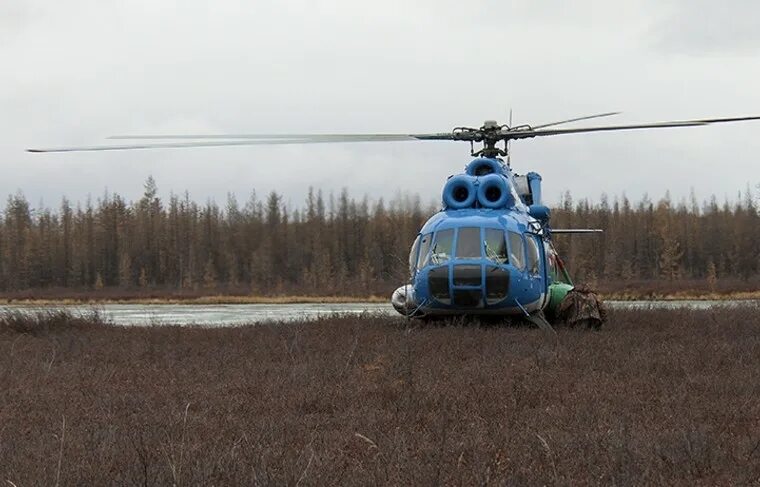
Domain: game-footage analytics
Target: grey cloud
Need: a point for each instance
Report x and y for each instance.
(79, 71)
(703, 27)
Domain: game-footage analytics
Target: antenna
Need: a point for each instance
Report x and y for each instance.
(509, 145)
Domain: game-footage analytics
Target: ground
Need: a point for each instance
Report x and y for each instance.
(656, 397)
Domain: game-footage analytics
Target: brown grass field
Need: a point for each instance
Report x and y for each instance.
(656, 397)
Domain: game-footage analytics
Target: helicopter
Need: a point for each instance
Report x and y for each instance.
(489, 250)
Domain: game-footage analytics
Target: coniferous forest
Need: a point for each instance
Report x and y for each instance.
(337, 244)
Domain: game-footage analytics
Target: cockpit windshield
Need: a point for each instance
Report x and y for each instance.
(438, 248)
(442, 246)
(495, 246)
(492, 245)
(468, 243)
(516, 251)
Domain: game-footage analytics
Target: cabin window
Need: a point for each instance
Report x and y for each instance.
(442, 247)
(516, 250)
(551, 265)
(424, 248)
(533, 255)
(469, 243)
(494, 246)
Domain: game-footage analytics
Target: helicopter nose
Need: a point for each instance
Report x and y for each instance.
(475, 286)
(467, 286)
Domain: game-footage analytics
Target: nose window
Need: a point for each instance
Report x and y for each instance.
(438, 281)
(467, 275)
(497, 284)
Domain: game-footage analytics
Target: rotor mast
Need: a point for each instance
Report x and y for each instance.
(489, 135)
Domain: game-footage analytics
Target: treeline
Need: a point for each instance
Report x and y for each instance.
(662, 239)
(335, 244)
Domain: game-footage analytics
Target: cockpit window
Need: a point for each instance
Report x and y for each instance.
(413, 255)
(533, 257)
(495, 246)
(442, 247)
(516, 250)
(424, 248)
(468, 244)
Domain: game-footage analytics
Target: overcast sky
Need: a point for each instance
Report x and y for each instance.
(77, 71)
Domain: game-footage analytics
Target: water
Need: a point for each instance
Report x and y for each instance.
(237, 314)
(213, 314)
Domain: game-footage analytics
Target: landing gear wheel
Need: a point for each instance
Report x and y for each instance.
(582, 308)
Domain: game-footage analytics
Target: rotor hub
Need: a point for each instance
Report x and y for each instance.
(489, 134)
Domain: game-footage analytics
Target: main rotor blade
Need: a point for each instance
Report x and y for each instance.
(330, 137)
(525, 134)
(467, 135)
(577, 119)
(223, 143)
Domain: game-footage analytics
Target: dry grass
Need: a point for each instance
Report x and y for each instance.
(658, 397)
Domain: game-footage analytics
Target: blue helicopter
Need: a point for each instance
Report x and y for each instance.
(489, 250)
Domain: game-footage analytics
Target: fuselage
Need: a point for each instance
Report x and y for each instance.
(478, 261)
(486, 252)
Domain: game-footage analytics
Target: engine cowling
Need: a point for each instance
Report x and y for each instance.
(493, 192)
(483, 166)
(459, 192)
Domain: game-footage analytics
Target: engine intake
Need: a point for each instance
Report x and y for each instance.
(459, 192)
(493, 192)
(483, 167)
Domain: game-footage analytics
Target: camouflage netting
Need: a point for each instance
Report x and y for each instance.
(582, 307)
